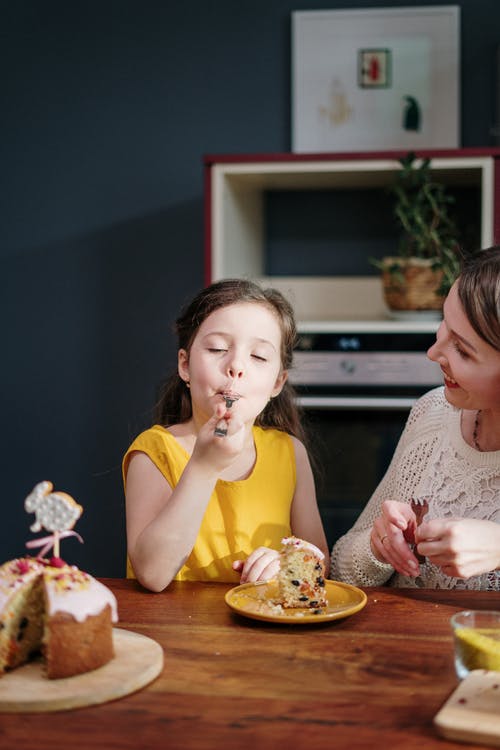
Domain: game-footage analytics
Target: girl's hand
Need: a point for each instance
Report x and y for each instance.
(214, 453)
(261, 565)
(461, 547)
(392, 533)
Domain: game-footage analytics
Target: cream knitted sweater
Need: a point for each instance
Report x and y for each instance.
(432, 459)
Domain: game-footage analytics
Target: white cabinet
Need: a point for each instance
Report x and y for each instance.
(236, 192)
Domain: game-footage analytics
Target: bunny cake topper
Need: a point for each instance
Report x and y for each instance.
(54, 511)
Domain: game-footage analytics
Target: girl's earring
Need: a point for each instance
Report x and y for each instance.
(188, 384)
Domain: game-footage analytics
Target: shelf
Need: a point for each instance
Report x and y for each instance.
(240, 192)
(368, 326)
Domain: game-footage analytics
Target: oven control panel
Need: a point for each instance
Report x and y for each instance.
(372, 359)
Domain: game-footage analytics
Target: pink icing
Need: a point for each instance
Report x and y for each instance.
(14, 574)
(77, 593)
(293, 541)
(68, 588)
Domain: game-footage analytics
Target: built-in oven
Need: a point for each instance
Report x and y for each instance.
(356, 385)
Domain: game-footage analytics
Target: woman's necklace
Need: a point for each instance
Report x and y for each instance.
(476, 428)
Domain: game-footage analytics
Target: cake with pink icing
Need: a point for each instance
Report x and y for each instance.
(301, 578)
(49, 606)
(57, 609)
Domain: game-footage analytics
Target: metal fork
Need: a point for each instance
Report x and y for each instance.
(221, 426)
(420, 506)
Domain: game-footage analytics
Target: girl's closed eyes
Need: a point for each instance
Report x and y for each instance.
(218, 350)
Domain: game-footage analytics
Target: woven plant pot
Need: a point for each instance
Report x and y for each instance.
(411, 284)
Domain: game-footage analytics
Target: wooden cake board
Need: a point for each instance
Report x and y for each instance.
(472, 712)
(138, 660)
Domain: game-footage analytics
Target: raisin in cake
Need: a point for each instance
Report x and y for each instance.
(58, 609)
(301, 578)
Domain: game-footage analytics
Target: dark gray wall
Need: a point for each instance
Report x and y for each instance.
(106, 111)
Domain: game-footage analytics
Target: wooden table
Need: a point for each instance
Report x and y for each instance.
(373, 680)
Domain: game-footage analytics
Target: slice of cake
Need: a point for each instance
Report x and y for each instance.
(57, 609)
(301, 579)
(21, 611)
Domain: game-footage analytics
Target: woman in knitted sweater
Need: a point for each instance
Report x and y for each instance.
(447, 461)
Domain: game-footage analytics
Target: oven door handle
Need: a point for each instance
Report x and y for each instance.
(372, 403)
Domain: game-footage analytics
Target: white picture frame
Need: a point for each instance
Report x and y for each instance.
(376, 79)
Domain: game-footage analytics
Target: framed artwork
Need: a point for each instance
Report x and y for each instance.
(374, 68)
(376, 79)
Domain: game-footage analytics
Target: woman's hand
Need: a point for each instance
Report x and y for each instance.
(392, 533)
(461, 547)
(261, 565)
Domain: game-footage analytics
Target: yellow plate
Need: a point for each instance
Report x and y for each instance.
(256, 600)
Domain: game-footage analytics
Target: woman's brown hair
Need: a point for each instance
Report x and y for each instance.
(479, 293)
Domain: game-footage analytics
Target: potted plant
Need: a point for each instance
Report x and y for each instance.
(420, 276)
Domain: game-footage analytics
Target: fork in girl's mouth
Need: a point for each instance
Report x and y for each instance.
(230, 398)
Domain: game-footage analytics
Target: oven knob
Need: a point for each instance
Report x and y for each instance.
(348, 366)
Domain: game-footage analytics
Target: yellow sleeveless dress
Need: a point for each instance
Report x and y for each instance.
(240, 516)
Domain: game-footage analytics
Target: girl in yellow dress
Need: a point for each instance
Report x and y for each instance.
(224, 475)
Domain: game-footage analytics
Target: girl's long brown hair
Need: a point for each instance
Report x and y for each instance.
(281, 412)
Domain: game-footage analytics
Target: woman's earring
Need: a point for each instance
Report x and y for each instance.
(188, 384)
